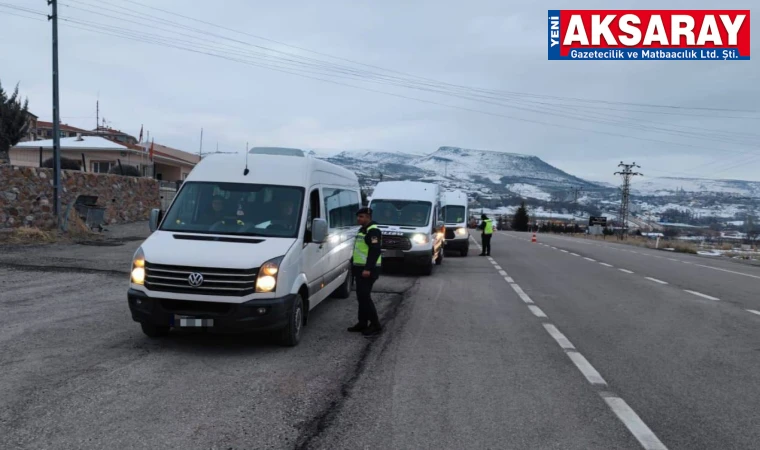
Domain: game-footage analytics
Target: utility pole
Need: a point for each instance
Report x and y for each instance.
(576, 191)
(627, 173)
(97, 115)
(200, 152)
(56, 118)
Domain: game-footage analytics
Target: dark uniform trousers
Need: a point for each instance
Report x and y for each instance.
(486, 238)
(367, 311)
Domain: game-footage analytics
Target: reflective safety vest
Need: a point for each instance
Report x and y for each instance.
(361, 249)
(489, 226)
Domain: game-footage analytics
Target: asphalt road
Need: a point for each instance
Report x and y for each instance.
(532, 348)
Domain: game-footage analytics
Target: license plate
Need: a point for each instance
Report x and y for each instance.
(393, 253)
(192, 322)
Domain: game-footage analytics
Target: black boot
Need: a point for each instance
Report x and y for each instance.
(359, 327)
(373, 330)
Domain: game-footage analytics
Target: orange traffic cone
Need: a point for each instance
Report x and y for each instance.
(533, 239)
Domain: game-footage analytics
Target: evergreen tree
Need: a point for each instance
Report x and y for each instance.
(521, 220)
(13, 122)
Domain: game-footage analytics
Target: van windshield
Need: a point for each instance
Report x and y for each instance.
(453, 214)
(405, 213)
(236, 209)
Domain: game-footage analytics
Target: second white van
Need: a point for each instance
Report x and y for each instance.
(408, 214)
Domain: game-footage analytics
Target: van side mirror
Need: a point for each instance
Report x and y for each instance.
(155, 218)
(318, 231)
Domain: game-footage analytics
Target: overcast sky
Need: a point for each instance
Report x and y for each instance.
(494, 44)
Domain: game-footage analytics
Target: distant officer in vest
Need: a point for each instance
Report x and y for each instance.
(367, 261)
(486, 226)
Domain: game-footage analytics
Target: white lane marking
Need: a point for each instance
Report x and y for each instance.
(497, 267)
(656, 280)
(564, 251)
(625, 270)
(673, 259)
(509, 279)
(729, 271)
(521, 293)
(635, 425)
(536, 311)
(687, 262)
(559, 337)
(605, 264)
(754, 312)
(586, 368)
(554, 248)
(699, 294)
(590, 259)
(502, 273)
(575, 254)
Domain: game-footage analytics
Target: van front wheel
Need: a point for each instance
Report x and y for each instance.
(291, 334)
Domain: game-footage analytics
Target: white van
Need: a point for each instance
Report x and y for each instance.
(455, 211)
(408, 214)
(248, 246)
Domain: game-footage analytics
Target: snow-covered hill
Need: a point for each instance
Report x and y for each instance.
(467, 169)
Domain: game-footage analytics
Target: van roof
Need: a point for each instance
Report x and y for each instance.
(454, 198)
(271, 167)
(406, 190)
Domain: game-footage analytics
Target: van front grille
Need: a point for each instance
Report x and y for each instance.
(396, 243)
(214, 281)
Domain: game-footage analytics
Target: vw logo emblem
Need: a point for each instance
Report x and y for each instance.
(195, 279)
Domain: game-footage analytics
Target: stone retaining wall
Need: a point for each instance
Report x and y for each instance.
(26, 195)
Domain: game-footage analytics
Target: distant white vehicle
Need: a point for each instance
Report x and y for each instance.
(253, 249)
(409, 215)
(455, 211)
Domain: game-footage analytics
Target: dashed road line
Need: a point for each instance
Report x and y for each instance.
(575, 254)
(633, 422)
(699, 294)
(536, 311)
(589, 259)
(586, 368)
(521, 293)
(559, 337)
(502, 273)
(754, 312)
(656, 280)
(564, 251)
(509, 279)
(605, 264)
(625, 270)
(497, 267)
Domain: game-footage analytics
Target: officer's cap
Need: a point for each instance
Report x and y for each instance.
(367, 211)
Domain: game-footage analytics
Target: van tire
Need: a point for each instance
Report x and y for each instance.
(344, 290)
(291, 335)
(427, 269)
(464, 251)
(154, 331)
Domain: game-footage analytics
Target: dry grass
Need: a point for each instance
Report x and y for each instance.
(30, 235)
(77, 231)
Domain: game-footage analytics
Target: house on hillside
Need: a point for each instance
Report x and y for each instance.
(31, 128)
(45, 130)
(100, 155)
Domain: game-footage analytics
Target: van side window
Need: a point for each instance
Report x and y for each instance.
(340, 207)
(313, 213)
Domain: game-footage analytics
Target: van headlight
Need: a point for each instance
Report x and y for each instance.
(137, 274)
(420, 238)
(461, 231)
(267, 278)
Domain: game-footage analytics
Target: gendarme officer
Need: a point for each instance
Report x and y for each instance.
(366, 270)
